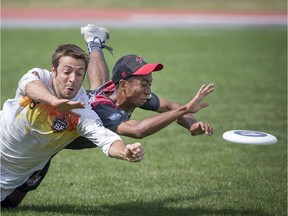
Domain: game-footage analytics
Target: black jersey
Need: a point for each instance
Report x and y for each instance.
(111, 115)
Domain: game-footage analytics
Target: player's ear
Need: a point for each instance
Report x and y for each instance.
(122, 85)
(53, 70)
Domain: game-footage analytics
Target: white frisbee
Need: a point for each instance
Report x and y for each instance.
(249, 137)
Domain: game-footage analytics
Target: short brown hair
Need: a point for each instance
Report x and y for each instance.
(69, 50)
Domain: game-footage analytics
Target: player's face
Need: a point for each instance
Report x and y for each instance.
(68, 77)
(138, 90)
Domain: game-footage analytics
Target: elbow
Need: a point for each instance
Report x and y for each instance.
(138, 136)
(135, 131)
(139, 133)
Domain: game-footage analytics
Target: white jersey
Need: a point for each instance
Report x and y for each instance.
(32, 132)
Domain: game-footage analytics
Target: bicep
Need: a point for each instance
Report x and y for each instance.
(33, 75)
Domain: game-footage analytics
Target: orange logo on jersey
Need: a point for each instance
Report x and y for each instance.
(45, 117)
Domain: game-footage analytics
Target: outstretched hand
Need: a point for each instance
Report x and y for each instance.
(200, 128)
(66, 106)
(134, 152)
(195, 104)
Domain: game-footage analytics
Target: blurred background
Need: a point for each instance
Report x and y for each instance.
(140, 13)
(220, 5)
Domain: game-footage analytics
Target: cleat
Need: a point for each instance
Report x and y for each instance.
(91, 32)
(95, 37)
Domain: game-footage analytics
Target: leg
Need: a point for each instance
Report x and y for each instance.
(97, 70)
(16, 197)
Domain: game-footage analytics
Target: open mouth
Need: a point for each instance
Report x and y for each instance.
(70, 89)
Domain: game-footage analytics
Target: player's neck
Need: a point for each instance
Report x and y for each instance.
(121, 101)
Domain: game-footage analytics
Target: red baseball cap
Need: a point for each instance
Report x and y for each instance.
(133, 65)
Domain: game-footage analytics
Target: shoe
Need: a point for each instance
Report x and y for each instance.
(95, 37)
(91, 32)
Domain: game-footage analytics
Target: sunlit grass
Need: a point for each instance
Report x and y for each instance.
(181, 175)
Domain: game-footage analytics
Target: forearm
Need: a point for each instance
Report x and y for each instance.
(97, 71)
(186, 121)
(155, 123)
(39, 92)
(130, 152)
(117, 149)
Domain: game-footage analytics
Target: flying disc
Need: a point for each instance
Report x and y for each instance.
(249, 137)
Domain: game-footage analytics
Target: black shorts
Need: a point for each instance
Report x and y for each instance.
(35, 179)
(80, 143)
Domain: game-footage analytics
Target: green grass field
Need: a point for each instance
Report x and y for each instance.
(181, 175)
(227, 5)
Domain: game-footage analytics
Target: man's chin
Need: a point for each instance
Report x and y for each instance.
(140, 104)
(69, 96)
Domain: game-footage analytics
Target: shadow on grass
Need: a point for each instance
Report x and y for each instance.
(141, 208)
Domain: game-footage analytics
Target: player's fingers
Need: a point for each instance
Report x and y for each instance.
(135, 161)
(136, 158)
(201, 90)
(200, 128)
(211, 131)
(208, 130)
(203, 128)
(202, 125)
(140, 153)
(208, 89)
(135, 147)
(210, 86)
(199, 107)
(203, 105)
(76, 104)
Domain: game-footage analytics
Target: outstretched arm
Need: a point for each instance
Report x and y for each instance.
(39, 92)
(187, 121)
(130, 152)
(151, 125)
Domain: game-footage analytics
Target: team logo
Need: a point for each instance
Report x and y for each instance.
(123, 74)
(139, 59)
(99, 122)
(250, 133)
(59, 125)
(114, 116)
(33, 104)
(32, 181)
